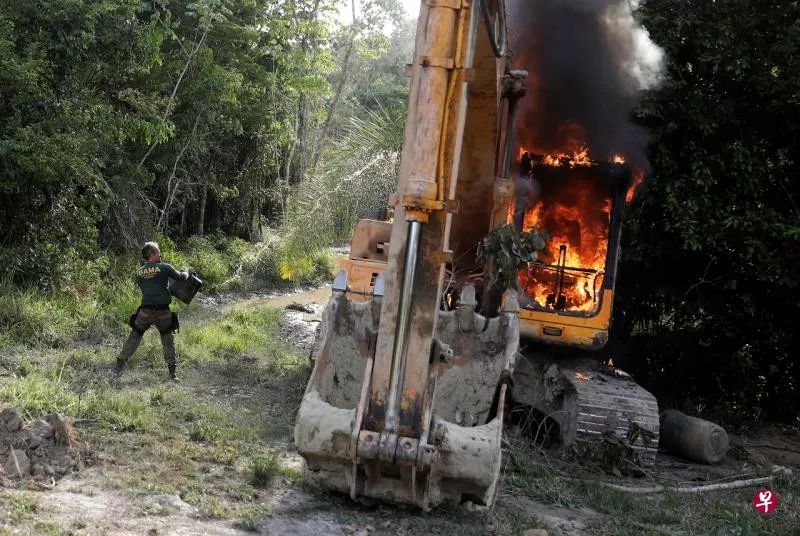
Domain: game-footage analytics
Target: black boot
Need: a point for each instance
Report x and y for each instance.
(118, 367)
(172, 375)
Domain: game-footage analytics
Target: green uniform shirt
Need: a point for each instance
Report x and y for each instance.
(153, 278)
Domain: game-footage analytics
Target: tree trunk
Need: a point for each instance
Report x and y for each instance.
(337, 96)
(304, 146)
(184, 204)
(302, 142)
(255, 220)
(201, 216)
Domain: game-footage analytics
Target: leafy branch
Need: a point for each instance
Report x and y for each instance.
(505, 249)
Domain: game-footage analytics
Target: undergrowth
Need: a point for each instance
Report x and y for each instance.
(624, 513)
(211, 436)
(95, 304)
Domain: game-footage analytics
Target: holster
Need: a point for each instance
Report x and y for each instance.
(132, 322)
(176, 325)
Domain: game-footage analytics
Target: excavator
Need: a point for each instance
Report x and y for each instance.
(419, 363)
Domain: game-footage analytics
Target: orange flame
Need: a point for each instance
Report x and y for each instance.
(638, 178)
(576, 215)
(577, 158)
(582, 377)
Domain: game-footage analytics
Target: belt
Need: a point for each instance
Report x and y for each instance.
(156, 307)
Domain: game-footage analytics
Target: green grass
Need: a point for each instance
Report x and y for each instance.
(242, 332)
(94, 304)
(169, 438)
(41, 393)
(622, 513)
(264, 469)
(17, 506)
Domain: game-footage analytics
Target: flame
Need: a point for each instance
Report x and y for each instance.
(582, 377)
(550, 160)
(580, 157)
(610, 362)
(638, 178)
(577, 158)
(576, 214)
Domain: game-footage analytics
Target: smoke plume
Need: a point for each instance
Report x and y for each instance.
(588, 61)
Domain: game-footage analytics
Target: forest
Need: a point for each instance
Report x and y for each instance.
(249, 136)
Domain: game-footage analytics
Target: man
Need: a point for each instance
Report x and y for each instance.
(153, 278)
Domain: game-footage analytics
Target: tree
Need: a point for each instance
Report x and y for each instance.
(65, 114)
(710, 277)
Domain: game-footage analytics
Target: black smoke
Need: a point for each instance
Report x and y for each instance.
(588, 61)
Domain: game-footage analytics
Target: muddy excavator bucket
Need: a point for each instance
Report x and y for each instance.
(456, 454)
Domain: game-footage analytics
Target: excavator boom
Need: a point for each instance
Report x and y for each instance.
(405, 402)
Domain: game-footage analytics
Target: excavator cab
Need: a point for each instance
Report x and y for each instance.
(567, 294)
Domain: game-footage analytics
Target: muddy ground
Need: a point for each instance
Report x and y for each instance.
(136, 484)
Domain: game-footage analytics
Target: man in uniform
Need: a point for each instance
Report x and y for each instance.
(153, 279)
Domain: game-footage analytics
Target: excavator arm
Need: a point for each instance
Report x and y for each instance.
(406, 399)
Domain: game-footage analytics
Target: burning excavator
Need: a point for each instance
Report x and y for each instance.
(416, 364)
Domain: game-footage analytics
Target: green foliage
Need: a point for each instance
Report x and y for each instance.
(228, 337)
(710, 274)
(261, 262)
(97, 304)
(264, 469)
(300, 265)
(203, 432)
(355, 179)
(45, 318)
(18, 506)
(121, 118)
(50, 391)
(505, 249)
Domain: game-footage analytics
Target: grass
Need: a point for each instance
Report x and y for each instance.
(622, 513)
(214, 420)
(17, 507)
(264, 469)
(97, 306)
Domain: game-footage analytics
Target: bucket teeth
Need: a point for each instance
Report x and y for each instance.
(457, 456)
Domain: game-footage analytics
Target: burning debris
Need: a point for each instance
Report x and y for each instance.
(573, 204)
(588, 60)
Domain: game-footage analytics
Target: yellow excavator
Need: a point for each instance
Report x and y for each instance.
(416, 366)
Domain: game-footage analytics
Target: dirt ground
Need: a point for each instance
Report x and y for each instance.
(137, 484)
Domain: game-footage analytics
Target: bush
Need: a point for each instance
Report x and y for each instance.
(260, 263)
(264, 469)
(102, 295)
(51, 318)
(300, 265)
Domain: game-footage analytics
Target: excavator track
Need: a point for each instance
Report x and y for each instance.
(586, 400)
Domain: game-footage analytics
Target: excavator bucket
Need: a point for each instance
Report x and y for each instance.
(456, 457)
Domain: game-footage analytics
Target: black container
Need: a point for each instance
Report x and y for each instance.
(185, 290)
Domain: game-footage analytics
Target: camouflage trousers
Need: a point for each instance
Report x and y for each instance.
(162, 320)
